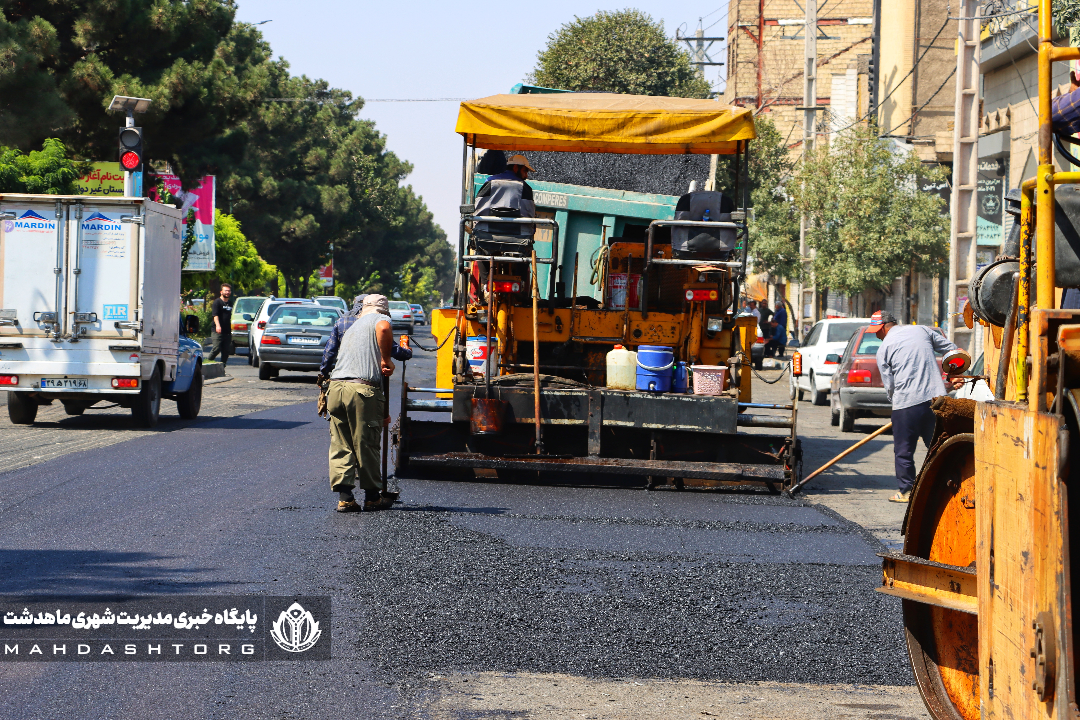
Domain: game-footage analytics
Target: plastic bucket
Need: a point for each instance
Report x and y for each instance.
(654, 364)
(476, 352)
(680, 383)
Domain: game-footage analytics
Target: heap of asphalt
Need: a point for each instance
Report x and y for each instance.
(659, 174)
(479, 589)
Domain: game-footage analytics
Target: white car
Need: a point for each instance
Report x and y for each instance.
(401, 316)
(258, 323)
(827, 337)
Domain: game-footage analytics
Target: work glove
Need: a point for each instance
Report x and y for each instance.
(320, 404)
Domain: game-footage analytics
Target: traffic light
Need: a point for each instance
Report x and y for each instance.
(131, 149)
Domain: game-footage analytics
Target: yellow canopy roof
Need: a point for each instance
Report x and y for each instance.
(602, 122)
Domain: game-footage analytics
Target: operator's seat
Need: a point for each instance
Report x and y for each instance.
(700, 243)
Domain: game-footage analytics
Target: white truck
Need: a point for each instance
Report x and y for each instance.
(90, 307)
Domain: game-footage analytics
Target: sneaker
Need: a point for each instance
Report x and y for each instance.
(901, 497)
(345, 506)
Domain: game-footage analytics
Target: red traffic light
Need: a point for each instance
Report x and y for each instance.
(130, 160)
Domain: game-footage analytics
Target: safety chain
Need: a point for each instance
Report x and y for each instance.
(452, 333)
(749, 363)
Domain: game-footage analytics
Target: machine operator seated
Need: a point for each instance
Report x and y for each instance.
(503, 195)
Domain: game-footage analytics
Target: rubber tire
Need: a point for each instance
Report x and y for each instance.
(189, 403)
(21, 410)
(818, 397)
(834, 417)
(147, 407)
(255, 362)
(74, 409)
(266, 372)
(847, 420)
(251, 354)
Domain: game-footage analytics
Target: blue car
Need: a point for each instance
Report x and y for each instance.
(186, 389)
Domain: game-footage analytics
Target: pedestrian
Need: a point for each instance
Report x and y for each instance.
(763, 324)
(221, 316)
(912, 378)
(777, 342)
(358, 407)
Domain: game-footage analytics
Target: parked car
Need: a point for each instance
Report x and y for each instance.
(418, 314)
(241, 328)
(401, 316)
(857, 389)
(332, 301)
(258, 322)
(827, 338)
(294, 338)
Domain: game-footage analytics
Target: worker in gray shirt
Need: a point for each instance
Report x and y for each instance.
(912, 378)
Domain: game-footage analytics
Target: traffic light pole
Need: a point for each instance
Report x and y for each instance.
(129, 179)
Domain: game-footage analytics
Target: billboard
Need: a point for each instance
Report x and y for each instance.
(105, 179)
(201, 199)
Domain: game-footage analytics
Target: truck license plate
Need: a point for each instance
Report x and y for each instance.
(65, 384)
(301, 340)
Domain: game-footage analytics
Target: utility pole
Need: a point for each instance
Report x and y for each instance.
(963, 203)
(809, 108)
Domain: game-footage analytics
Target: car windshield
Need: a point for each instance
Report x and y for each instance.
(868, 345)
(399, 305)
(842, 332)
(332, 302)
(311, 316)
(247, 305)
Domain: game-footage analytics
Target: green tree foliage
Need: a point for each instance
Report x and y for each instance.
(774, 233)
(238, 263)
(868, 220)
(624, 51)
(47, 171)
(64, 61)
(315, 176)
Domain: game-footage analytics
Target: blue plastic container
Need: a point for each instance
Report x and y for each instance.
(680, 383)
(654, 368)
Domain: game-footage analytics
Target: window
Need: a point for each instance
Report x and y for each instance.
(311, 316)
(812, 338)
(868, 344)
(247, 305)
(399, 305)
(842, 332)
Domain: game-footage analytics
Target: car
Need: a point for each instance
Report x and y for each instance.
(401, 316)
(332, 301)
(826, 338)
(294, 338)
(248, 305)
(857, 390)
(418, 314)
(258, 322)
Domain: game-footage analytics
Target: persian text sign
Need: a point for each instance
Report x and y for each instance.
(166, 628)
(105, 179)
(201, 199)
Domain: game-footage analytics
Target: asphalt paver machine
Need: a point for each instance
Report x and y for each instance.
(523, 353)
(990, 541)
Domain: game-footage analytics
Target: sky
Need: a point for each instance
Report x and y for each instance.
(423, 50)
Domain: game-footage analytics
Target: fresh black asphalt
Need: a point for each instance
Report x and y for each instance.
(459, 576)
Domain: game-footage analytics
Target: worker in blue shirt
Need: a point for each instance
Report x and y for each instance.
(778, 342)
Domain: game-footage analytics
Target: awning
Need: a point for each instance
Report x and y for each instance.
(605, 123)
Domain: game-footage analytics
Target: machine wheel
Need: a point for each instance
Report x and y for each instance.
(847, 420)
(73, 409)
(147, 407)
(818, 397)
(943, 644)
(188, 403)
(265, 371)
(21, 409)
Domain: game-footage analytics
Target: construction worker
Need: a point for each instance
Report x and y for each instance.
(400, 352)
(912, 378)
(358, 407)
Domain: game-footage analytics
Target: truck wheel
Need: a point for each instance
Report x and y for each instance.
(265, 371)
(847, 420)
(147, 405)
(73, 409)
(21, 409)
(819, 397)
(188, 403)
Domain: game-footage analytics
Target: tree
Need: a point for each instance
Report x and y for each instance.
(623, 52)
(47, 171)
(63, 62)
(868, 221)
(237, 261)
(774, 233)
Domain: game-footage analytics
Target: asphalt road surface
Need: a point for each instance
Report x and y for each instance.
(466, 600)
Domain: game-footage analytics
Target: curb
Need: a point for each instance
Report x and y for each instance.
(212, 370)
